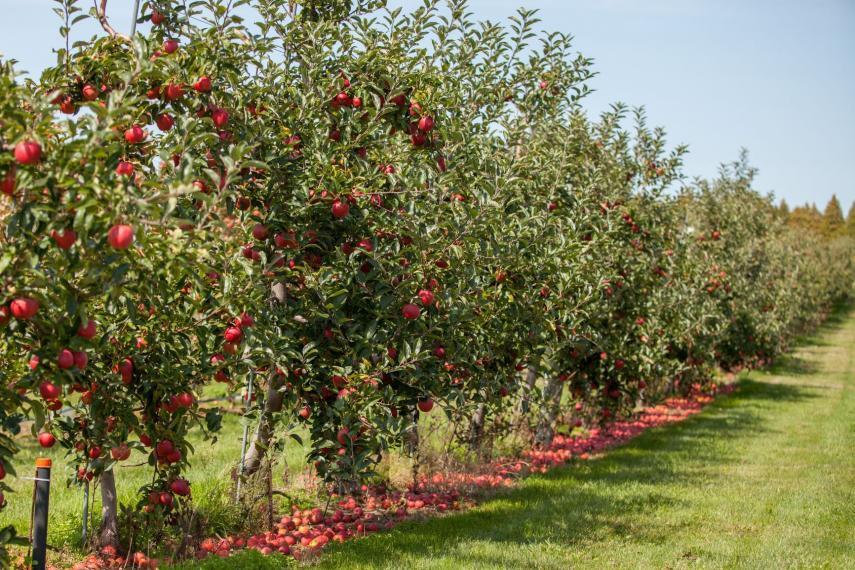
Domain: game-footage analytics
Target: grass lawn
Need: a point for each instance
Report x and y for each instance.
(764, 478)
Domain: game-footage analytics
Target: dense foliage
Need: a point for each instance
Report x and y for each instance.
(369, 215)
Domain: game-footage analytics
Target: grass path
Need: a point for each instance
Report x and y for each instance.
(764, 478)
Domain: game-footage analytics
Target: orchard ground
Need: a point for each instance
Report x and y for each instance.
(763, 478)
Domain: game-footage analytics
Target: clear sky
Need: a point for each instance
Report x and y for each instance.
(774, 76)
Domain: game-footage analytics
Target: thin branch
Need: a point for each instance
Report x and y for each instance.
(101, 13)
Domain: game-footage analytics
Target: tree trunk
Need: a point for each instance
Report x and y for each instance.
(476, 428)
(109, 534)
(264, 433)
(412, 444)
(551, 403)
(530, 381)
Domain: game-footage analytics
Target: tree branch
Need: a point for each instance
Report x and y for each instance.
(101, 13)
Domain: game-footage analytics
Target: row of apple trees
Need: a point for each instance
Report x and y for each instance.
(370, 215)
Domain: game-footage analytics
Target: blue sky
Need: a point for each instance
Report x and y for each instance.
(775, 77)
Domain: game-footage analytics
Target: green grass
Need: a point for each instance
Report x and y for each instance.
(764, 478)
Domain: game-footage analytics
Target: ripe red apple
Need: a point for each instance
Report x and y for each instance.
(95, 452)
(343, 436)
(339, 381)
(260, 232)
(340, 209)
(164, 122)
(125, 168)
(28, 152)
(157, 18)
(126, 370)
(185, 399)
(46, 439)
(170, 46)
(49, 391)
(425, 405)
(180, 487)
(410, 311)
(135, 134)
(89, 92)
(7, 183)
(64, 239)
(426, 297)
(203, 85)
(120, 236)
(164, 447)
(65, 360)
(81, 359)
(233, 335)
(165, 499)
(120, 452)
(439, 352)
(173, 92)
(66, 105)
(305, 412)
(426, 123)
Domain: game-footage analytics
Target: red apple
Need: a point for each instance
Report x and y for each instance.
(164, 122)
(203, 85)
(64, 239)
(89, 92)
(120, 452)
(124, 168)
(425, 405)
(28, 152)
(180, 487)
(410, 311)
(170, 46)
(173, 92)
(233, 335)
(49, 391)
(126, 370)
(65, 360)
(120, 236)
(426, 297)
(46, 439)
(81, 359)
(164, 447)
(260, 232)
(340, 209)
(135, 135)
(220, 117)
(7, 183)
(157, 18)
(165, 499)
(426, 123)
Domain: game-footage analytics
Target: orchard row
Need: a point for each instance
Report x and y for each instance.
(360, 217)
